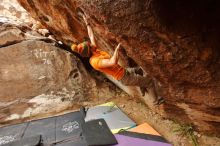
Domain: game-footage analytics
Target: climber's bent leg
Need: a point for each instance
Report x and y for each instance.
(146, 84)
(132, 79)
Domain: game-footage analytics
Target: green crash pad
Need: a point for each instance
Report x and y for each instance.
(114, 117)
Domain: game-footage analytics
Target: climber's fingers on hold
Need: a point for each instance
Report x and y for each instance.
(117, 48)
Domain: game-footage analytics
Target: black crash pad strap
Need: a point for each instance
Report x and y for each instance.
(97, 133)
(83, 112)
(143, 136)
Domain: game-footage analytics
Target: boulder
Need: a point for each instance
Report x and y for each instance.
(38, 77)
(10, 10)
(175, 42)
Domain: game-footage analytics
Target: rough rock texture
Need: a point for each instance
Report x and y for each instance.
(35, 75)
(11, 10)
(176, 42)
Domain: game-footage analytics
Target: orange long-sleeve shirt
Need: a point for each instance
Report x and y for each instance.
(116, 71)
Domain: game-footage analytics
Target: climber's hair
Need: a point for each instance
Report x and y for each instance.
(74, 47)
(84, 49)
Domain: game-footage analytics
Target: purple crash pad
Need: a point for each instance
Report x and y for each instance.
(130, 141)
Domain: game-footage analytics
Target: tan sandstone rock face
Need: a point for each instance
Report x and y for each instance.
(12, 11)
(176, 42)
(36, 77)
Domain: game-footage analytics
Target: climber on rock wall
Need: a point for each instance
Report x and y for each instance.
(103, 62)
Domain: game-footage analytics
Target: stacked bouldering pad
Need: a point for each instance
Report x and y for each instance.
(114, 117)
(142, 135)
(92, 127)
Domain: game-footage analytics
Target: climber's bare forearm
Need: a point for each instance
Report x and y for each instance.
(104, 63)
(90, 31)
(115, 56)
(91, 35)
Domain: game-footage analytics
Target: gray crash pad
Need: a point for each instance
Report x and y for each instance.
(44, 127)
(12, 133)
(28, 141)
(69, 125)
(53, 131)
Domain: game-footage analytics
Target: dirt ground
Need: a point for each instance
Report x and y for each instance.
(135, 109)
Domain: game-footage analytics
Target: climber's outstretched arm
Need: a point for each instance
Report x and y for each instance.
(104, 63)
(90, 32)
